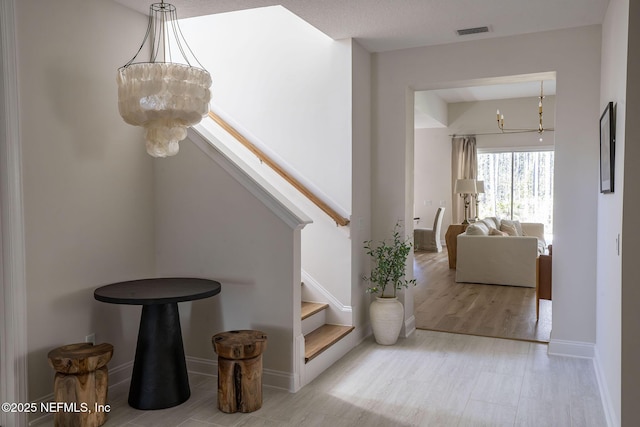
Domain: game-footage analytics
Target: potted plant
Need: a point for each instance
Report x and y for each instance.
(387, 276)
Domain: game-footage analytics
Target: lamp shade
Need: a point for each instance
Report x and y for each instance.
(479, 187)
(465, 186)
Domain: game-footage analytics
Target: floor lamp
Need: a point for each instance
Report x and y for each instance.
(479, 190)
(465, 188)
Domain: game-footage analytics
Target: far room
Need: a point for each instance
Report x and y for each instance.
(484, 162)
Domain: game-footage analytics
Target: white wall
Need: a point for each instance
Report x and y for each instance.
(574, 55)
(432, 177)
(209, 225)
(88, 182)
(292, 93)
(361, 220)
(630, 411)
(431, 111)
(609, 269)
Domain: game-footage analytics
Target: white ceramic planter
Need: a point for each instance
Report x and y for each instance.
(386, 316)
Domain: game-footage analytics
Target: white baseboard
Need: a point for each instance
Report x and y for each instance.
(39, 418)
(409, 327)
(588, 351)
(572, 348)
(605, 395)
(270, 377)
(298, 363)
(120, 374)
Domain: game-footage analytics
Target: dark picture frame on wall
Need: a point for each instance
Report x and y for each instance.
(607, 148)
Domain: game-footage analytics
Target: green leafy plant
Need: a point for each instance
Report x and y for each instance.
(389, 259)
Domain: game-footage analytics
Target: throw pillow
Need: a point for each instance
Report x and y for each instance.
(477, 229)
(510, 229)
(496, 232)
(516, 224)
(490, 223)
(518, 227)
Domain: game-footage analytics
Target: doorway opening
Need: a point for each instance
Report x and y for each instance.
(441, 303)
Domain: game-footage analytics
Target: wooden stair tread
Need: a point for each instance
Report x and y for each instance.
(322, 338)
(311, 308)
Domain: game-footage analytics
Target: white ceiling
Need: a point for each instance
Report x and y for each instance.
(381, 25)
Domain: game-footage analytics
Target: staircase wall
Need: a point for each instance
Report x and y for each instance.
(287, 87)
(210, 225)
(288, 84)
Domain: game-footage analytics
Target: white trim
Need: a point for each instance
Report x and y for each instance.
(298, 363)
(409, 327)
(40, 418)
(210, 125)
(310, 281)
(270, 377)
(605, 395)
(571, 348)
(202, 366)
(13, 326)
(533, 148)
(120, 374)
(254, 183)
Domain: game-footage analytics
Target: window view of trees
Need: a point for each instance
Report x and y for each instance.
(518, 185)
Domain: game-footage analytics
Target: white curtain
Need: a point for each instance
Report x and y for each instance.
(464, 165)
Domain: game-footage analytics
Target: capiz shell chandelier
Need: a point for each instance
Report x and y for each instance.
(164, 97)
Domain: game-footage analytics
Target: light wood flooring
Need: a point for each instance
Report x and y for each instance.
(441, 304)
(429, 379)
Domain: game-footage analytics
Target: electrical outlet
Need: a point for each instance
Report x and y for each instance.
(91, 338)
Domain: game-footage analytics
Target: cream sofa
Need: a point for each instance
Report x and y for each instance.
(486, 256)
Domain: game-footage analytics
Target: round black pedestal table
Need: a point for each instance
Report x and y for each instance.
(159, 379)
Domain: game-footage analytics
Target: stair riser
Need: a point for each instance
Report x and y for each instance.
(314, 321)
(323, 361)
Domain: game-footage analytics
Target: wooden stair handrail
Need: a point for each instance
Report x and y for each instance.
(339, 219)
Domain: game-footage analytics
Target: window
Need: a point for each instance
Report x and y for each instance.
(518, 185)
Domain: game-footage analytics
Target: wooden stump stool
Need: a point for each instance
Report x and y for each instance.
(81, 381)
(239, 369)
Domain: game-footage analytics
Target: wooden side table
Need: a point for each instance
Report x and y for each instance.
(239, 369)
(543, 279)
(81, 379)
(450, 238)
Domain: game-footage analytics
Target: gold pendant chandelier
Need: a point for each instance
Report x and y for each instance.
(540, 129)
(163, 96)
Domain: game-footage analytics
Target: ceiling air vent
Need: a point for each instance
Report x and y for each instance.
(475, 30)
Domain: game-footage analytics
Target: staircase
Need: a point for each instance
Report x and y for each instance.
(322, 337)
(318, 335)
